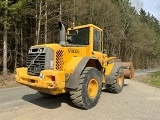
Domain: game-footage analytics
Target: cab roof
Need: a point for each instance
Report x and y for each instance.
(84, 26)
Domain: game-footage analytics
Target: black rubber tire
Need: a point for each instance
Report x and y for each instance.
(80, 96)
(45, 94)
(115, 87)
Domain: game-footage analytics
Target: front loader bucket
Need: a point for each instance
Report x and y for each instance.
(128, 69)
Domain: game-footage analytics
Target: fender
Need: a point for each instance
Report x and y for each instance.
(109, 75)
(74, 78)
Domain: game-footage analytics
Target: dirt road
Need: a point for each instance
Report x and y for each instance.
(136, 102)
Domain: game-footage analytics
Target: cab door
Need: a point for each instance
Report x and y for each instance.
(97, 45)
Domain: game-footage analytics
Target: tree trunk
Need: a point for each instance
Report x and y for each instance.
(36, 22)
(46, 19)
(16, 47)
(39, 22)
(60, 11)
(74, 12)
(5, 40)
(91, 10)
(22, 46)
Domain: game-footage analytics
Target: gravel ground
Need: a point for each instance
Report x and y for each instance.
(137, 101)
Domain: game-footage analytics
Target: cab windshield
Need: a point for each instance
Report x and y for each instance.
(79, 36)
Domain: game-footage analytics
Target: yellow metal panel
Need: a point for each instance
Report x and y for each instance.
(20, 72)
(73, 53)
(52, 46)
(99, 56)
(72, 64)
(44, 84)
(91, 39)
(109, 68)
(110, 58)
(59, 77)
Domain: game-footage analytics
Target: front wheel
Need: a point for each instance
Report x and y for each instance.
(89, 89)
(118, 82)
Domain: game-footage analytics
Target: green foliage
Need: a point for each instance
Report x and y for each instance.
(154, 79)
(2, 8)
(128, 34)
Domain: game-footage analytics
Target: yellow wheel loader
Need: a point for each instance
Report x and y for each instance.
(77, 65)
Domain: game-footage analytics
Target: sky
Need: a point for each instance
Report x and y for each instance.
(151, 6)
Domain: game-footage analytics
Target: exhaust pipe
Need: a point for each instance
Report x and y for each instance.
(62, 34)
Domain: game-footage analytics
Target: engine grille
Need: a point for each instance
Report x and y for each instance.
(59, 60)
(35, 63)
(39, 58)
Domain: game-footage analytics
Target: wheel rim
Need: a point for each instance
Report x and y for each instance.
(120, 80)
(92, 88)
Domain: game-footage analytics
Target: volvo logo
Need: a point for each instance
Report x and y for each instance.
(73, 50)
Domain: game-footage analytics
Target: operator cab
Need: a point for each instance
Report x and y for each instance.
(86, 35)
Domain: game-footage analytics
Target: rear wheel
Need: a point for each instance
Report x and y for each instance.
(89, 89)
(117, 85)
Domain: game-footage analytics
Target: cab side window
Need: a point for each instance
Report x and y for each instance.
(97, 40)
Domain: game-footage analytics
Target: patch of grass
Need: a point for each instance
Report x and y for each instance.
(154, 79)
